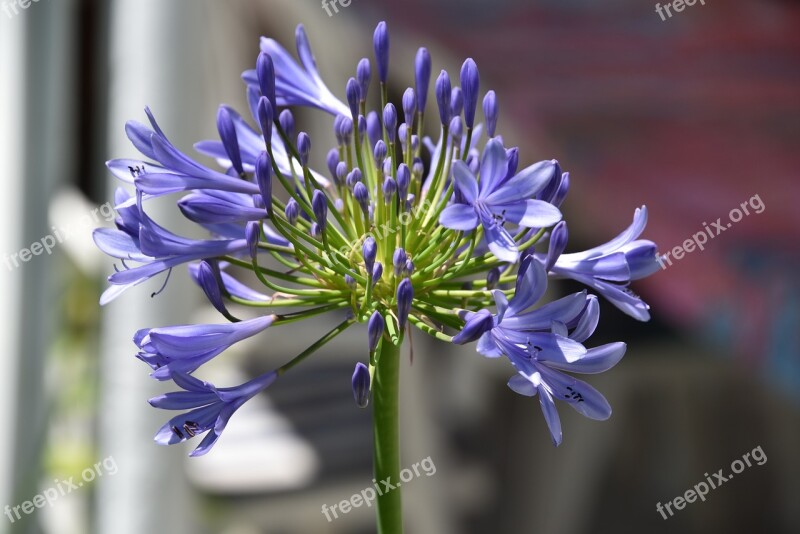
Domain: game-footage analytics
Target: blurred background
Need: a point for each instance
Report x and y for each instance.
(692, 116)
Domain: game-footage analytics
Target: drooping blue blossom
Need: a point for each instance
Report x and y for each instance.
(210, 409)
(544, 342)
(609, 268)
(139, 239)
(185, 348)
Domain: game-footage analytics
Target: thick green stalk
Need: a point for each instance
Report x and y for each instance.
(386, 432)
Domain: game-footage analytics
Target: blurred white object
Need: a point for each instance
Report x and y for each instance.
(72, 220)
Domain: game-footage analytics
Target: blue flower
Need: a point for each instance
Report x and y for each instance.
(541, 343)
(609, 268)
(139, 239)
(210, 409)
(295, 85)
(184, 348)
(496, 200)
(174, 171)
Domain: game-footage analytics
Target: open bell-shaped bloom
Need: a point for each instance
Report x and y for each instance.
(497, 199)
(543, 342)
(210, 408)
(609, 268)
(184, 348)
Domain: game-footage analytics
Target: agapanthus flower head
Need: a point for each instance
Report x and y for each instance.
(453, 221)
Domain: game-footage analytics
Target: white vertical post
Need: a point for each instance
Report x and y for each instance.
(12, 131)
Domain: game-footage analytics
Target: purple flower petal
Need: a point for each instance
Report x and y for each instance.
(597, 359)
(494, 166)
(581, 396)
(523, 386)
(459, 217)
(465, 182)
(529, 213)
(550, 415)
(529, 289)
(524, 185)
(500, 243)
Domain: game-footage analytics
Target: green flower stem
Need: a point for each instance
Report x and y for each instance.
(468, 143)
(386, 435)
(447, 315)
(429, 329)
(313, 348)
(445, 256)
(309, 282)
(437, 175)
(281, 302)
(300, 316)
(466, 293)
